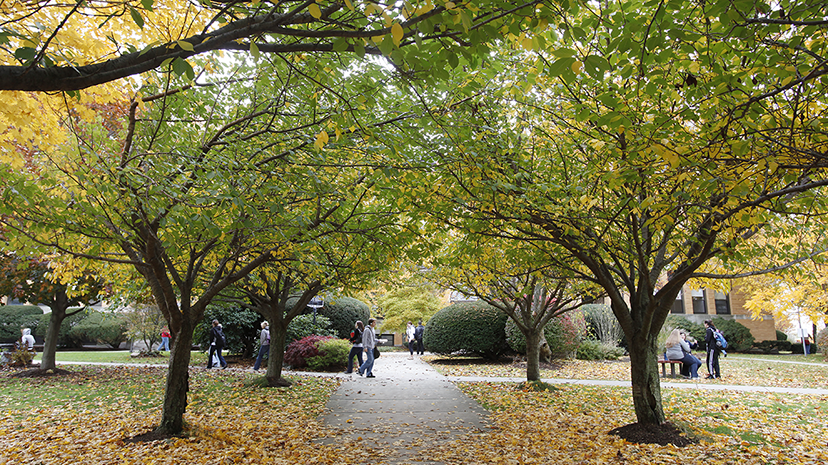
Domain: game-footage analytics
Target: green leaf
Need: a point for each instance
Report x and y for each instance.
(559, 67)
(359, 49)
(340, 44)
(254, 50)
(596, 66)
(136, 16)
(147, 4)
(25, 54)
(181, 67)
(185, 45)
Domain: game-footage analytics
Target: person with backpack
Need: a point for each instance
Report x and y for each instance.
(216, 345)
(713, 350)
(356, 349)
(264, 342)
(418, 335)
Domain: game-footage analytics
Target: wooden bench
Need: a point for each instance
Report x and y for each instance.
(672, 364)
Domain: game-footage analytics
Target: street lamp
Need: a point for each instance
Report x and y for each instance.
(316, 302)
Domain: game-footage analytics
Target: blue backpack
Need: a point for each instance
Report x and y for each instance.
(721, 342)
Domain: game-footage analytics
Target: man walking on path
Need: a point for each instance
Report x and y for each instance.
(369, 341)
(418, 335)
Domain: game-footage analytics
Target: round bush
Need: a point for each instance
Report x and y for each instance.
(561, 335)
(739, 338)
(104, 328)
(343, 312)
(303, 326)
(468, 327)
(333, 354)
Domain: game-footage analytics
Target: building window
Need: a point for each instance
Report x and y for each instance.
(678, 305)
(722, 303)
(699, 304)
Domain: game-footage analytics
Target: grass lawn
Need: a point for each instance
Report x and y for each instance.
(752, 370)
(120, 356)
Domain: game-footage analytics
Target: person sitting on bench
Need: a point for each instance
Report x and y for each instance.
(678, 349)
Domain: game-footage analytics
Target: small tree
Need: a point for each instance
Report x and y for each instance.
(603, 324)
(410, 303)
(144, 323)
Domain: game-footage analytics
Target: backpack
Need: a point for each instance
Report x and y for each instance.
(418, 332)
(721, 342)
(220, 341)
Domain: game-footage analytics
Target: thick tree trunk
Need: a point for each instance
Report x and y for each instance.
(47, 358)
(276, 356)
(646, 385)
(178, 382)
(533, 341)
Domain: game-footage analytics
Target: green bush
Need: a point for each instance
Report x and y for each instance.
(739, 338)
(105, 328)
(15, 317)
(343, 312)
(64, 338)
(596, 350)
(694, 330)
(781, 336)
(468, 327)
(796, 348)
(333, 353)
(561, 333)
(240, 327)
(303, 326)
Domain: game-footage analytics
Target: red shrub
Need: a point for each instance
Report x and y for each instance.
(298, 352)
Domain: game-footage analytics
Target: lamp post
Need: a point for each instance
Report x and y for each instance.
(316, 302)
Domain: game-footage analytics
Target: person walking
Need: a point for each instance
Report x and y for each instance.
(409, 336)
(165, 340)
(264, 345)
(356, 349)
(369, 341)
(679, 349)
(713, 350)
(27, 341)
(418, 335)
(216, 345)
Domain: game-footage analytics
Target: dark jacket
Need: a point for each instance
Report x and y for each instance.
(217, 336)
(710, 339)
(418, 332)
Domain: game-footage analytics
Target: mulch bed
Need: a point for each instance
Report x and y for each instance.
(640, 433)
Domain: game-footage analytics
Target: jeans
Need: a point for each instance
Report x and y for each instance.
(264, 350)
(420, 349)
(210, 357)
(368, 366)
(691, 366)
(355, 352)
(165, 344)
(411, 345)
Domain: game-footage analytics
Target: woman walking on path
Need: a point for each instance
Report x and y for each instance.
(409, 335)
(369, 341)
(264, 341)
(216, 344)
(713, 350)
(356, 350)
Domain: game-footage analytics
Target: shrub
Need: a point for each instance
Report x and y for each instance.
(64, 338)
(601, 323)
(596, 350)
(303, 326)
(15, 317)
(739, 338)
(796, 348)
(781, 336)
(769, 347)
(343, 312)
(470, 327)
(21, 357)
(105, 328)
(298, 352)
(333, 353)
(694, 330)
(240, 327)
(562, 335)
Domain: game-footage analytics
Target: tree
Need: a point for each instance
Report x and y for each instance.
(33, 280)
(519, 282)
(650, 140)
(409, 303)
(51, 47)
(144, 323)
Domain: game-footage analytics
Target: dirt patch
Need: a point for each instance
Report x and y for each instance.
(640, 433)
(40, 373)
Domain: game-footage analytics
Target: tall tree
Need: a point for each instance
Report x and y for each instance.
(34, 280)
(642, 140)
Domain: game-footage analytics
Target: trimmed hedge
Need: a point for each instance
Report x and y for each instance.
(15, 317)
(105, 328)
(467, 327)
(739, 338)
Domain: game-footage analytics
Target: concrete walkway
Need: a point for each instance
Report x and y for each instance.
(405, 410)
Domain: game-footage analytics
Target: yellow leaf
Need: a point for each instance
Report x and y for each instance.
(576, 67)
(314, 10)
(397, 33)
(185, 45)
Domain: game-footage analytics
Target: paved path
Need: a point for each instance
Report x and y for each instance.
(407, 408)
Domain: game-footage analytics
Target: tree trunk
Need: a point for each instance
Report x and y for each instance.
(47, 358)
(277, 356)
(646, 385)
(532, 355)
(178, 382)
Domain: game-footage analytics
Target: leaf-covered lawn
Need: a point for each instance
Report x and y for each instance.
(85, 419)
(736, 370)
(570, 425)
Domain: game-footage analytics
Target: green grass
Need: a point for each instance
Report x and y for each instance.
(121, 356)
